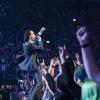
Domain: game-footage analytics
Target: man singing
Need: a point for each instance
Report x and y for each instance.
(32, 44)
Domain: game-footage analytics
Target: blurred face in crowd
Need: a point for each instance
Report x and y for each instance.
(32, 36)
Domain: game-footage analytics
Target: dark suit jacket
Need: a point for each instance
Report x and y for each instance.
(30, 51)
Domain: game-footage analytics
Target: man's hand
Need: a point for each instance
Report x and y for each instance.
(39, 38)
(82, 35)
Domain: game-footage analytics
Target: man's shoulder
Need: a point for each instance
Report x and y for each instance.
(25, 44)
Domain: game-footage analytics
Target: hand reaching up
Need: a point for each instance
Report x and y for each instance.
(82, 36)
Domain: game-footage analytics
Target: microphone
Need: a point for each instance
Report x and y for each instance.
(39, 34)
(41, 31)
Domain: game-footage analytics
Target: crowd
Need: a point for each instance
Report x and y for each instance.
(64, 78)
(75, 80)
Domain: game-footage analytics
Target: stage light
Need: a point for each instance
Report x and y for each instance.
(21, 81)
(47, 41)
(74, 19)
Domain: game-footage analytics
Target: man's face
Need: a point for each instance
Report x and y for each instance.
(32, 36)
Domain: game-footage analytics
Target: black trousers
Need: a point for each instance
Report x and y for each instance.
(36, 90)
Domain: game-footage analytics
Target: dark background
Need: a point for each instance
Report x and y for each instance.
(57, 16)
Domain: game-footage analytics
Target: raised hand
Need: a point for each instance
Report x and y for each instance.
(77, 56)
(82, 35)
(43, 64)
(78, 59)
(62, 54)
(61, 51)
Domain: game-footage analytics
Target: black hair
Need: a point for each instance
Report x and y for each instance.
(26, 35)
(54, 53)
(51, 82)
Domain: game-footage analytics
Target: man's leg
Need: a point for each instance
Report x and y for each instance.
(36, 91)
